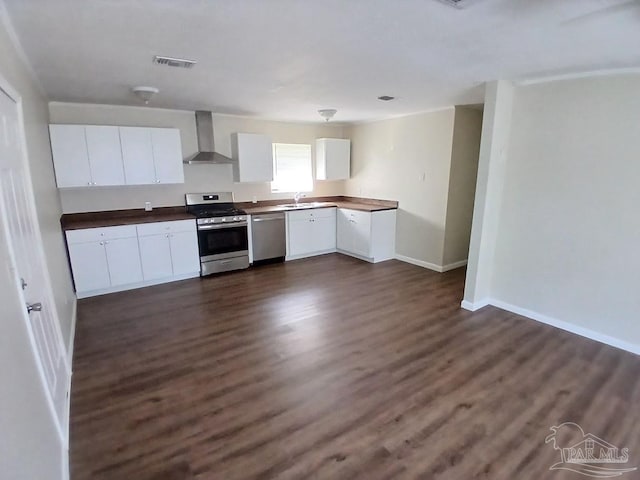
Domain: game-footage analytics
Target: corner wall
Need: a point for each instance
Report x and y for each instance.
(462, 184)
(407, 159)
(568, 231)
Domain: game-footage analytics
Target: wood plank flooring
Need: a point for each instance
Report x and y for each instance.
(332, 368)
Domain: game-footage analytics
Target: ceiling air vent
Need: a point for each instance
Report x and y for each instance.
(457, 3)
(174, 62)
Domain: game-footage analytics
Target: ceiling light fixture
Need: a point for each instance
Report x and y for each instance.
(145, 93)
(327, 113)
(386, 98)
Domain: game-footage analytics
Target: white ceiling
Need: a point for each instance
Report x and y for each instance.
(285, 59)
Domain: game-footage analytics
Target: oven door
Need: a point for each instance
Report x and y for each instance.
(222, 241)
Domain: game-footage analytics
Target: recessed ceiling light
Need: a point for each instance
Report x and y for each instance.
(386, 98)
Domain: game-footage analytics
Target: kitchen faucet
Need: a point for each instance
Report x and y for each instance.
(297, 197)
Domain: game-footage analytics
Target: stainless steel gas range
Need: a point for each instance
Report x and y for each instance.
(222, 232)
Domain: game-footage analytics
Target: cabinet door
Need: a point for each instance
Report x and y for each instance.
(155, 255)
(137, 155)
(167, 155)
(324, 233)
(184, 252)
(344, 235)
(301, 240)
(89, 266)
(70, 157)
(123, 258)
(254, 156)
(361, 222)
(333, 158)
(105, 155)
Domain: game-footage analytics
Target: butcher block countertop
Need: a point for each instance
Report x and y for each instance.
(111, 218)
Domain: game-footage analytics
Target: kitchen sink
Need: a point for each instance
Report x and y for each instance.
(302, 205)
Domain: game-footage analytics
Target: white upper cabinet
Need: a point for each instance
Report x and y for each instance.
(167, 155)
(70, 156)
(105, 155)
(253, 155)
(137, 154)
(86, 156)
(93, 155)
(333, 158)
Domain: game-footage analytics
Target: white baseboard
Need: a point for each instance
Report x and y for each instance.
(569, 327)
(454, 265)
(133, 286)
(72, 332)
(430, 266)
(473, 306)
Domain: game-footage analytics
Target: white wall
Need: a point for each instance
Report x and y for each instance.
(569, 229)
(496, 128)
(462, 184)
(36, 118)
(198, 178)
(29, 445)
(388, 160)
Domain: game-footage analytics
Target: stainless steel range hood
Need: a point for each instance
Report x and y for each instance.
(206, 153)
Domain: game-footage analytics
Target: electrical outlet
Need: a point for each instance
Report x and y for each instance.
(147, 206)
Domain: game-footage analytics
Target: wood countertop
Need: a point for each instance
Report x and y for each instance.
(354, 203)
(112, 218)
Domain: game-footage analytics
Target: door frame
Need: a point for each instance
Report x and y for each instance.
(63, 430)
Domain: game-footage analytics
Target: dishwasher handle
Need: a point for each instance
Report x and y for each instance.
(267, 217)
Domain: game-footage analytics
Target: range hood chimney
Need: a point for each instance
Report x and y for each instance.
(204, 131)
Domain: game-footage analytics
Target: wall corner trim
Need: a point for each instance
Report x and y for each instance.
(472, 307)
(430, 266)
(567, 326)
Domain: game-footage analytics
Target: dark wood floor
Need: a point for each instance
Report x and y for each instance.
(332, 368)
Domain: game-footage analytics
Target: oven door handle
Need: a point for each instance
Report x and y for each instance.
(222, 225)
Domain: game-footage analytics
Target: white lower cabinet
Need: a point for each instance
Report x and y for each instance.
(311, 232)
(112, 259)
(168, 249)
(155, 254)
(104, 258)
(123, 260)
(89, 264)
(370, 236)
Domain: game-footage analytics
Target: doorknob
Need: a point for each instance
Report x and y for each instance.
(34, 307)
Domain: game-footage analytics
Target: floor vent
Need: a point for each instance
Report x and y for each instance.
(174, 62)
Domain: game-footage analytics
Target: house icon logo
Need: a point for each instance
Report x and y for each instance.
(587, 454)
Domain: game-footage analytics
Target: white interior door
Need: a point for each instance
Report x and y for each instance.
(19, 225)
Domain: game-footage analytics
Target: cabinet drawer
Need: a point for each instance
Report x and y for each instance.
(99, 234)
(312, 213)
(158, 228)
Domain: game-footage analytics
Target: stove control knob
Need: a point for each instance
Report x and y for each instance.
(235, 219)
(224, 219)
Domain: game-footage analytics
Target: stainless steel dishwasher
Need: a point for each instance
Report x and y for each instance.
(268, 236)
